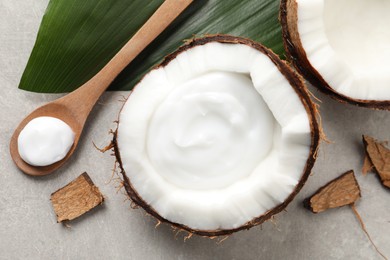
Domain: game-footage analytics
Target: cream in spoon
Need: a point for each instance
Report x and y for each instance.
(45, 140)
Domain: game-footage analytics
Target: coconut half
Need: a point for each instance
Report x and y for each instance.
(342, 47)
(218, 138)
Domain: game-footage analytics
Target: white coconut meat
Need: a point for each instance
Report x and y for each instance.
(215, 138)
(348, 43)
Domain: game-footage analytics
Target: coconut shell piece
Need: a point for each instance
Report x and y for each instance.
(76, 198)
(379, 156)
(339, 192)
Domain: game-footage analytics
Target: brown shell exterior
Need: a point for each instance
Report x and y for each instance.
(297, 56)
(298, 85)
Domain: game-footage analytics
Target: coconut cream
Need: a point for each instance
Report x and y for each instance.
(206, 133)
(44, 141)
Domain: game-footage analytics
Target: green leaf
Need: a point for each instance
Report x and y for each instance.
(77, 38)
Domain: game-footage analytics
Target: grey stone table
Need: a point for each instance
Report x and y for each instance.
(28, 228)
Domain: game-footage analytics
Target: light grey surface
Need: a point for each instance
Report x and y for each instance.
(28, 228)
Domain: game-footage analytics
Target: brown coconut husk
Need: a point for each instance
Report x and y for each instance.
(76, 198)
(342, 191)
(377, 159)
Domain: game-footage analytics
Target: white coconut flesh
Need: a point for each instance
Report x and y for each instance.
(215, 138)
(348, 43)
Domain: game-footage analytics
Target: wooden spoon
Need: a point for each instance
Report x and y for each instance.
(75, 107)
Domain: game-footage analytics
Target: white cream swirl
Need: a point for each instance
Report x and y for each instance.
(210, 132)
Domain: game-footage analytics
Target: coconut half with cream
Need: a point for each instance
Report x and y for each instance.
(218, 138)
(342, 47)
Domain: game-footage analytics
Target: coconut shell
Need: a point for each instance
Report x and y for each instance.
(78, 197)
(342, 191)
(296, 54)
(301, 90)
(378, 157)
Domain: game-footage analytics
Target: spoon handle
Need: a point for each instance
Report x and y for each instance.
(84, 98)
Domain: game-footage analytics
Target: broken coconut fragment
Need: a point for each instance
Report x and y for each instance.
(341, 191)
(76, 198)
(377, 156)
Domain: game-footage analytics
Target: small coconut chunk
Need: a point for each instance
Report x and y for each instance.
(379, 157)
(76, 198)
(341, 191)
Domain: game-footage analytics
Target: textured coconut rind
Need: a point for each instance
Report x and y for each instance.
(296, 54)
(295, 81)
(307, 203)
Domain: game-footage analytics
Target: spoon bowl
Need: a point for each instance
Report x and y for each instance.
(52, 109)
(75, 107)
